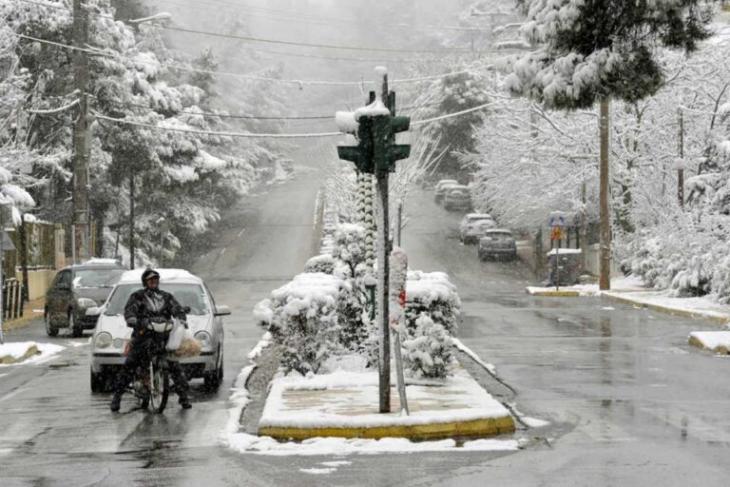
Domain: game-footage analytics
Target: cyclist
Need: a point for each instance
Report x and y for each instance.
(143, 307)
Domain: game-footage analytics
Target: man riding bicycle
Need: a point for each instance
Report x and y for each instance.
(144, 307)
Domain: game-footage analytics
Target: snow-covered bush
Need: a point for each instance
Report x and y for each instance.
(320, 263)
(303, 317)
(432, 314)
(427, 350)
(349, 248)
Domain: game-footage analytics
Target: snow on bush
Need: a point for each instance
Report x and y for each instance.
(320, 263)
(432, 314)
(303, 317)
(427, 350)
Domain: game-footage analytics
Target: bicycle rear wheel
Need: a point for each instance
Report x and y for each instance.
(159, 387)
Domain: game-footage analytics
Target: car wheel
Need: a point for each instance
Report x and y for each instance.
(212, 379)
(51, 330)
(97, 381)
(76, 331)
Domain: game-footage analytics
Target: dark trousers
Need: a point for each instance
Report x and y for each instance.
(140, 353)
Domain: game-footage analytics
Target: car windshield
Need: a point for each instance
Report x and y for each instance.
(191, 295)
(499, 235)
(474, 219)
(90, 278)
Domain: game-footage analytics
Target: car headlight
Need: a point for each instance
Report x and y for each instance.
(204, 338)
(85, 303)
(119, 343)
(103, 340)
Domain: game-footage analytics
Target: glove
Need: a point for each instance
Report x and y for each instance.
(185, 324)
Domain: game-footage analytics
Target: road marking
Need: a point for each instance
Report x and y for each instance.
(240, 233)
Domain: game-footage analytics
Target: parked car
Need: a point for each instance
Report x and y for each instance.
(497, 243)
(440, 189)
(471, 218)
(476, 230)
(75, 289)
(457, 198)
(204, 321)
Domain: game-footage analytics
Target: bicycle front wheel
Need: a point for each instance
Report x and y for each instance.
(159, 387)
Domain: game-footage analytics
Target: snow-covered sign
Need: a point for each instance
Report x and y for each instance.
(398, 275)
(557, 219)
(5, 242)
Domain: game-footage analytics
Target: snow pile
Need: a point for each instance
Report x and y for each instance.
(320, 263)
(303, 317)
(27, 352)
(717, 341)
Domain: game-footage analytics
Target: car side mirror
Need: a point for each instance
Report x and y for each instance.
(64, 287)
(94, 311)
(222, 310)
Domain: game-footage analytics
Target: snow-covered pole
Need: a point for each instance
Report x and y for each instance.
(383, 314)
(398, 276)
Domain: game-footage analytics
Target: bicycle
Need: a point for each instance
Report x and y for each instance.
(151, 384)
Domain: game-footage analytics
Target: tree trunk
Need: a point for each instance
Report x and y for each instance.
(605, 215)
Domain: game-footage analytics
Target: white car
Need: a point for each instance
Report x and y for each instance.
(204, 319)
(474, 228)
(441, 186)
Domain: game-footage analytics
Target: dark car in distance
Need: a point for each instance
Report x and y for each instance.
(74, 290)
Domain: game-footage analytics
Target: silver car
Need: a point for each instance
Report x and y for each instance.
(457, 198)
(111, 335)
(476, 230)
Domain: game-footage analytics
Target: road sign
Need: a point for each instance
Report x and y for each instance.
(557, 219)
(556, 233)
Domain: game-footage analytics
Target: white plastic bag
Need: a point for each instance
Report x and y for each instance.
(176, 336)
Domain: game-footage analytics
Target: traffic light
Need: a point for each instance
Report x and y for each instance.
(362, 153)
(387, 152)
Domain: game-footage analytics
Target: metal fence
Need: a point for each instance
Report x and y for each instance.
(12, 299)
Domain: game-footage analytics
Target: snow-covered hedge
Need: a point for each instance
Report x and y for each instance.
(304, 318)
(433, 308)
(320, 263)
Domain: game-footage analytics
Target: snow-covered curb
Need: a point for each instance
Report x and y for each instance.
(702, 307)
(716, 341)
(488, 367)
(23, 353)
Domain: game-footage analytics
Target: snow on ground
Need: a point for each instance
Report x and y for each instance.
(717, 341)
(489, 367)
(264, 445)
(701, 306)
(18, 349)
(351, 402)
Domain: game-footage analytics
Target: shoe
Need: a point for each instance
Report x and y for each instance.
(185, 402)
(116, 402)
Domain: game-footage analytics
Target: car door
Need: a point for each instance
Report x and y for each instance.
(52, 298)
(63, 295)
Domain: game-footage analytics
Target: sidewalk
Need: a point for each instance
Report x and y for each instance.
(345, 405)
(630, 290)
(31, 310)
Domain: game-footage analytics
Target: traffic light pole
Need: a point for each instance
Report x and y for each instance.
(383, 310)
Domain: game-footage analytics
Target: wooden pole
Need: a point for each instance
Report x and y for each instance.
(605, 216)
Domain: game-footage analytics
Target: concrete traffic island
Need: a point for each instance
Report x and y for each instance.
(714, 341)
(345, 405)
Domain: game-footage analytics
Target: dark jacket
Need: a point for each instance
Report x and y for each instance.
(147, 305)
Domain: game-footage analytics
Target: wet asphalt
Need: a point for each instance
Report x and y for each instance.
(628, 401)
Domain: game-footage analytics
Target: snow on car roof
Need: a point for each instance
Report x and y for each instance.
(100, 261)
(166, 275)
(473, 216)
(499, 230)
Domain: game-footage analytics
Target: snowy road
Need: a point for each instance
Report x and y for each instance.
(629, 402)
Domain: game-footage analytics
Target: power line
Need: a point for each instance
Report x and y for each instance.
(276, 136)
(249, 77)
(318, 46)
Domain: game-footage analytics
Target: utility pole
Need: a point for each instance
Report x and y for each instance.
(383, 310)
(131, 220)
(605, 216)
(80, 136)
(680, 169)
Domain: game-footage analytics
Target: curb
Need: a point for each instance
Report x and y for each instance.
(719, 320)
(555, 294)
(720, 350)
(478, 428)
